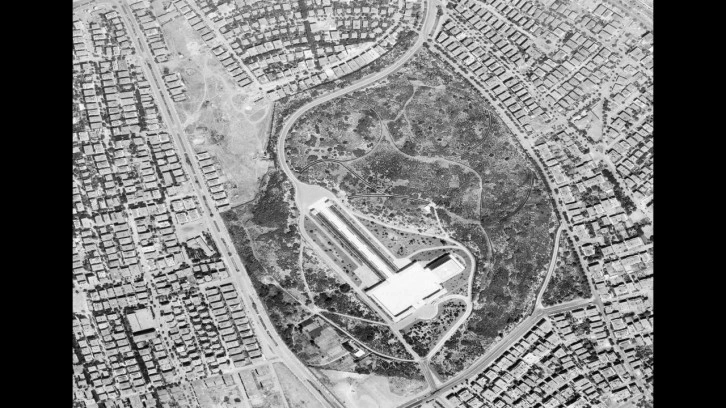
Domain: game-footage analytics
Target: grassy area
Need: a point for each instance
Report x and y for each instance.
(401, 243)
(264, 232)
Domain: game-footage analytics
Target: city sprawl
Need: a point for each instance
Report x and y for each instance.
(363, 203)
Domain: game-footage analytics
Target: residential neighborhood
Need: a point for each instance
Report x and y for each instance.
(158, 300)
(578, 82)
(363, 203)
(586, 357)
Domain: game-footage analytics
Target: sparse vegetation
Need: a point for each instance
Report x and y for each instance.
(424, 334)
(401, 243)
(568, 280)
(378, 337)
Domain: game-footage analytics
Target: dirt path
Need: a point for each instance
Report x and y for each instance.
(524, 202)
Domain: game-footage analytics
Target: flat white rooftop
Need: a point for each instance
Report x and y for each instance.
(406, 291)
(448, 268)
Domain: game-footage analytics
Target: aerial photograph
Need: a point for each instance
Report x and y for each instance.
(362, 203)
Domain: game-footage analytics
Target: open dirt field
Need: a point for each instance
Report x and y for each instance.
(218, 116)
(296, 394)
(370, 391)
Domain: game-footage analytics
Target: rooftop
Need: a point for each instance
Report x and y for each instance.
(141, 320)
(407, 290)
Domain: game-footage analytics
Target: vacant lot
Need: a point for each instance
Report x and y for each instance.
(218, 115)
(295, 393)
(379, 390)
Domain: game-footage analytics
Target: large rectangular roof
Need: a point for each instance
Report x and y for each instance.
(141, 320)
(408, 289)
(445, 267)
(353, 237)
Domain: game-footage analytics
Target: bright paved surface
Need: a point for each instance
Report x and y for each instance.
(407, 289)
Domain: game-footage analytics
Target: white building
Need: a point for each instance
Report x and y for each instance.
(414, 286)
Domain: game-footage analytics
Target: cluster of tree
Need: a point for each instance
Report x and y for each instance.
(645, 353)
(195, 254)
(216, 137)
(563, 289)
(271, 210)
(364, 332)
(366, 123)
(391, 368)
(242, 243)
(625, 201)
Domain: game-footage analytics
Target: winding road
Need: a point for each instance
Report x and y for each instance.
(304, 192)
(524, 326)
(428, 24)
(553, 263)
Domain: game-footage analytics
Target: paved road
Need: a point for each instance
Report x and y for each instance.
(553, 263)
(637, 10)
(268, 338)
(425, 28)
(82, 3)
(363, 345)
(223, 40)
(427, 25)
(497, 350)
(525, 325)
(465, 316)
(261, 321)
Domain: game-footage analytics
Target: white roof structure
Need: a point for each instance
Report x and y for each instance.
(398, 291)
(141, 320)
(450, 268)
(351, 236)
(406, 291)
